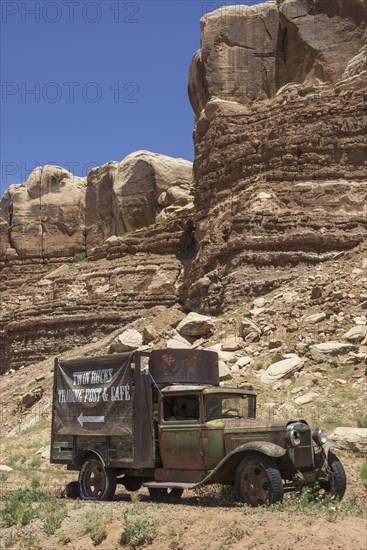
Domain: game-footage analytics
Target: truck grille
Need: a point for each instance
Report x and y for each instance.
(302, 455)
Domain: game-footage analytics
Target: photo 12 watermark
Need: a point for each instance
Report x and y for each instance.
(19, 172)
(69, 92)
(70, 11)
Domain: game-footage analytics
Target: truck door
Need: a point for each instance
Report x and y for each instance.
(180, 432)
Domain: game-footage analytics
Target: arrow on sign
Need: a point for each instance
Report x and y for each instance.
(84, 419)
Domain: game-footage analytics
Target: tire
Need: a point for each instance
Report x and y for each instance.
(96, 482)
(165, 495)
(72, 490)
(258, 482)
(337, 484)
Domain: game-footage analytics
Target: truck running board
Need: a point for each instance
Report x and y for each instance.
(168, 485)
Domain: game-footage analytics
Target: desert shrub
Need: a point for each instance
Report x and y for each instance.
(96, 525)
(137, 532)
(21, 506)
(363, 472)
(52, 514)
(361, 420)
(234, 533)
(79, 257)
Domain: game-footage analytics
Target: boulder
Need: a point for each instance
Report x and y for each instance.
(351, 439)
(5, 469)
(282, 369)
(196, 325)
(123, 196)
(321, 351)
(178, 341)
(356, 334)
(30, 398)
(129, 340)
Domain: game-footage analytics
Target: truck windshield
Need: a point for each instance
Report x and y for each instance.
(222, 405)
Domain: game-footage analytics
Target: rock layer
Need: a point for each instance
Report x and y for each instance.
(280, 182)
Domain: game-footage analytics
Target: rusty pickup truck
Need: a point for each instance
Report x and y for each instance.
(161, 420)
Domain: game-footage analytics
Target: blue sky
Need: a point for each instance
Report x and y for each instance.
(85, 82)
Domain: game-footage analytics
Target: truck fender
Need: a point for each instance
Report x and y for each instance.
(226, 468)
(84, 453)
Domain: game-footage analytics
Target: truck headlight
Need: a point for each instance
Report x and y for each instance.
(294, 437)
(319, 436)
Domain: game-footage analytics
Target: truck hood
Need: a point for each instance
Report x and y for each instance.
(238, 425)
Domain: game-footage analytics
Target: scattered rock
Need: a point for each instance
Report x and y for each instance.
(149, 334)
(325, 349)
(351, 439)
(129, 340)
(282, 369)
(233, 343)
(243, 362)
(304, 399)
(274, 344)
(259, 303)
(44, 452)
(356, 334)
(29, 399)
(224, 372)
(197, 325)
(315, 318)
(247, 327)
(316, 293)
(6, 469)
(178, 341)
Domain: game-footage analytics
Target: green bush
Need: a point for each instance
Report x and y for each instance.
(20, 506)
(363, 472)
(79, 257)
(52, 514)
(137, 532)
(96, 525)
(361, 420)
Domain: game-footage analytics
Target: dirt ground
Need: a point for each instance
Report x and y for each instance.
(210, 520)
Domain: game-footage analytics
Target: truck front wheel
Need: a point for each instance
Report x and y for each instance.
(96, 482)
(258, 481)
(338, 482)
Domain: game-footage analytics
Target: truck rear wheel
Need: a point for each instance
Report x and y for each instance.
(96, 482)
(258, 481)
(164, 495)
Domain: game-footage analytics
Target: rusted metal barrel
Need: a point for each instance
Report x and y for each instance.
(184, 366)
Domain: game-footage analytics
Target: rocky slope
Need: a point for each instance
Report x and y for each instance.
(280, 189)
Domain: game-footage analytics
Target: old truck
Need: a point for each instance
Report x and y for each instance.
(162, 420)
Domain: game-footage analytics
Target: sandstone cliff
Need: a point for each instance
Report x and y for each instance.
(249, 53)
(280, 165)
(55, 214)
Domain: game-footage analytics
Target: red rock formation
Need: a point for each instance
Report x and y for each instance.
(281, 181)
